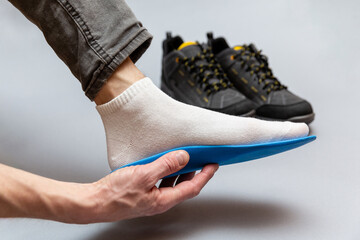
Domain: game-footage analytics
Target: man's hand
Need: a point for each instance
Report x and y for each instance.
(131, 192)
(126, 193)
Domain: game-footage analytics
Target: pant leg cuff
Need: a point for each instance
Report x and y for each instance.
(135, 49)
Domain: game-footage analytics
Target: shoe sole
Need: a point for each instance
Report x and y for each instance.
(227, 154)
(170, 93)
(308, 118)
(249, 114)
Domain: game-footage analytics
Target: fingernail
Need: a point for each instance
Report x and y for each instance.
(181, 157)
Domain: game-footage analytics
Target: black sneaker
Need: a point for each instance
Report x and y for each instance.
(248, 69)
(190, 74)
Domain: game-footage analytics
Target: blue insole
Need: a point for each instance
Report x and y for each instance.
(227, 154)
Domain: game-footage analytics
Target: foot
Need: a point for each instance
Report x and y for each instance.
(143, 121)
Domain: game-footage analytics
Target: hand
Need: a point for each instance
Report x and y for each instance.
(131, 192)
(126, 193)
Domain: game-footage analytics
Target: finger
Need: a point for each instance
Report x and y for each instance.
(168, 182)
(192, 188)
(185, 177)
(169, 197)
(166, 165)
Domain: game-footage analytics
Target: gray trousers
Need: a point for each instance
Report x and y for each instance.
(92, 37)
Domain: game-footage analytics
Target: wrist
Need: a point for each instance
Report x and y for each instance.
(62, 201)
(23, 194)
(74, 203)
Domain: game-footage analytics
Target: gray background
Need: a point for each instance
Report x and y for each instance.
(48, 127)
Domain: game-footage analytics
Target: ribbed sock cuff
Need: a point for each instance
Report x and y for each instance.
(124, 97)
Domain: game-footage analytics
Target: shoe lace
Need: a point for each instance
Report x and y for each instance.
(257, 64)
(207, 71)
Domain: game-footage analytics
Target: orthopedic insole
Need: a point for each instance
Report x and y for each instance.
(227, 154)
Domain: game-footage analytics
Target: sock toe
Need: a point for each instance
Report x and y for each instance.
(296, 130)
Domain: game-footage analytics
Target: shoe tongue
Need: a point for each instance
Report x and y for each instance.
(227, 52)
(218, 45)
(190, 49)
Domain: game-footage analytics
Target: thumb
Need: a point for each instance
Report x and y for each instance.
(167, 164)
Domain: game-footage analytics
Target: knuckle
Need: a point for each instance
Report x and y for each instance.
(171, 165)
(143, 175)
(196, 191)
(153, 207)
(158, 206)
(161, 208)
(138, 171)
(160, 203)
(147, 205)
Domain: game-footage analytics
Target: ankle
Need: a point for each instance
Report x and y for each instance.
(123, 77)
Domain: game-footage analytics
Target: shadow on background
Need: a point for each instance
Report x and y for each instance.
(312, 130)
(56, 169)
(200, 215)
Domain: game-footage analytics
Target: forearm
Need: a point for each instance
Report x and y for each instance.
(23, 194)
(126, 193)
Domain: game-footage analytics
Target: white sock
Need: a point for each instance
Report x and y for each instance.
(143, 121)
